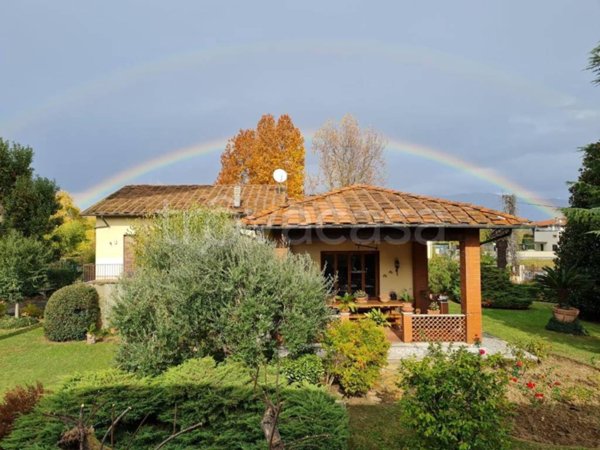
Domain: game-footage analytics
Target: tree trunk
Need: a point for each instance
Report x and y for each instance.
(269, 427)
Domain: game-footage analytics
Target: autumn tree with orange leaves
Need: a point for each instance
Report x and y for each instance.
(251, 156)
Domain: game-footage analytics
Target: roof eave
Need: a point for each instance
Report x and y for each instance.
(386, 225)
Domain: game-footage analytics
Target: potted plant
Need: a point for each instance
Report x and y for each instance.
(407, 301)
(433, 308)
(378, 317)
(346, 305)
(90, 335)
(361, 296)
(561, 281)
(391, 296)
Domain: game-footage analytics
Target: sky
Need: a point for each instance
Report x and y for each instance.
(98, 89)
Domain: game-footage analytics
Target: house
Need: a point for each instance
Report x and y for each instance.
(543, 242)
(373, 239)
(116, 215)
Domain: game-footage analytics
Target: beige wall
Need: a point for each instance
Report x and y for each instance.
(388, 280)
(109, 238)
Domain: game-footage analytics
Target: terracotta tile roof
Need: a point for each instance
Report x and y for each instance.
(142, 200)
(560, 221)
(363, 205)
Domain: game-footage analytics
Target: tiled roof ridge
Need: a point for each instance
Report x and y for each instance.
(379, 189)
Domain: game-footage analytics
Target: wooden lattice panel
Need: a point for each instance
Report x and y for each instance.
(438, 328)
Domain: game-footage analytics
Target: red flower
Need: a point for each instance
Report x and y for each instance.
(482, 351)
(539, 395)
(514, 379)
(519, 363)
(557, 383)
(530, 384)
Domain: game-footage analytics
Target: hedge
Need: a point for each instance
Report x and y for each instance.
(222, 396)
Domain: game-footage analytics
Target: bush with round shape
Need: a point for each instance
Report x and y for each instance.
(70, 312)
(355, 353)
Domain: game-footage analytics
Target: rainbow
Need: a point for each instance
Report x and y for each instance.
(170, 158)
(400, 54)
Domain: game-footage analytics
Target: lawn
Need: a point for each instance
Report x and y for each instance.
(29, 357)
(514, 326)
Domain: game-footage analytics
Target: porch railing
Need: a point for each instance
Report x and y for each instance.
(434, 327)
(93, 272)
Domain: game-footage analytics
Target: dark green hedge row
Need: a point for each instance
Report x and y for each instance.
(221, 396)
(497, 291)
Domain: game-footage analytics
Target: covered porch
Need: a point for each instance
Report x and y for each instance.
(373, 242)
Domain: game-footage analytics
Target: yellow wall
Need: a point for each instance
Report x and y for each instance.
(388, 280)
(109, 239)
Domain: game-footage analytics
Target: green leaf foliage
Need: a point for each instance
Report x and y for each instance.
(575, 328)
(70, 312)
(23, 262)
(355, 353)
(304, 369)
(444, 276)
(204, 287)
(455, 400)
(221, 396)
(27, 202)
(497, 291)
(579, 248)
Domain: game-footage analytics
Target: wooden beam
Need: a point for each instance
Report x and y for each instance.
(470, 284)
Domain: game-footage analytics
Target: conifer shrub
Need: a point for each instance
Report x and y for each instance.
(497, 291)
(355, 353)
(455, 400)
(221, 396)
(70, 312)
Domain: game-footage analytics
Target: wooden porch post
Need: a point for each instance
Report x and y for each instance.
(420, 275)
(470, 284)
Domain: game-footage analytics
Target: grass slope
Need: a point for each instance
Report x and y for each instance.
(30, 357)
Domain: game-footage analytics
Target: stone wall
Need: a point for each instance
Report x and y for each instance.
(106, 290)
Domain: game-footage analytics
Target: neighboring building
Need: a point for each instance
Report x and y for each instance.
(543, 244)
(371, 238)
(117, 213)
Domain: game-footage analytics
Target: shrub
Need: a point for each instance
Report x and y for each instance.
(222, 396)
(497, 291)
(576, 327)
(538, 347)
(70, 311)
(355, 353)
(31, 310)
(12, 323)
(18, 401)
(202, 287)
(455, 400)
(444, 276)
(306, 368)
(3, 309)
(61, 276)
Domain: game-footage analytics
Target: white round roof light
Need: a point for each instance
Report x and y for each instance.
(280, 175)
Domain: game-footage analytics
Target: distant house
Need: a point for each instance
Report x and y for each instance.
(368, 238)
(543, 243)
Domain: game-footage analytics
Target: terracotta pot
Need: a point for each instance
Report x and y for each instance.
(566, 315)
(384, 299)
(344, 316)
(433, 311)
(364, 299)
(407, 307)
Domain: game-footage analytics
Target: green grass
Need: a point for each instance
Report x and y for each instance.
(378, 427)
(29, 357)
(515, 325)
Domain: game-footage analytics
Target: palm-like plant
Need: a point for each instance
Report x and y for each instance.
(346, 302)
(378, 317)
(561, 281)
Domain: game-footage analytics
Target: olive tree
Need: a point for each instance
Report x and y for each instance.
(203, 286)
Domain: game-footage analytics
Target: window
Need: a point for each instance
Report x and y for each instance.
(554, 247)
(355, 271)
